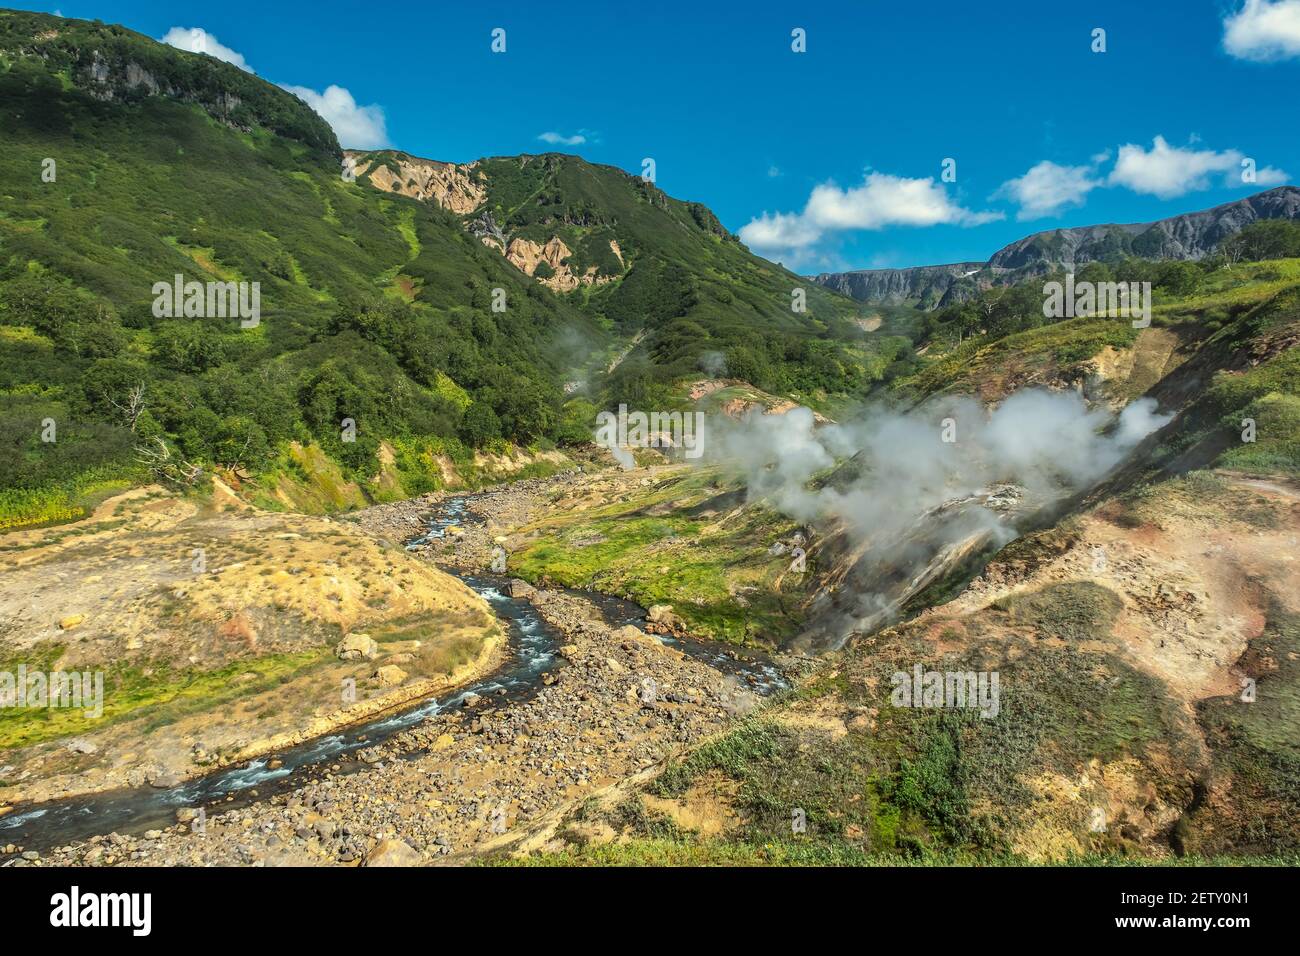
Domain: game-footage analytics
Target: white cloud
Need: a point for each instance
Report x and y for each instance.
(779, 231)
(559, 139)
(198, 40)
(1047, 189)
(1263, 30)
(1168, 171)
(357, 127)
(882, 200)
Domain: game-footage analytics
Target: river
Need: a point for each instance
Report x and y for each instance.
(532, 651)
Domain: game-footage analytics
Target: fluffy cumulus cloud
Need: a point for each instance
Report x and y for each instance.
(1168, 171)
(198, 40)
(1048, 189)
(1264, 30)
(882, 200)
(559, 139)
(356, 126)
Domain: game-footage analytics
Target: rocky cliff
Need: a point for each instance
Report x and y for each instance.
(923, 284)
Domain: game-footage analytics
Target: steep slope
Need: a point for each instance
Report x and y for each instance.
(1191, 236)
(639, 260)
(130, 162)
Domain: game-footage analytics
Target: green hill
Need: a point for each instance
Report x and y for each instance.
(131, 162)
(164, 162)
(638, 260)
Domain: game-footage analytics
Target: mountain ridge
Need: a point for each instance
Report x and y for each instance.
(1187, 236)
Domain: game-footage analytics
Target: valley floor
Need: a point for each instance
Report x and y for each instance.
(1122, 635)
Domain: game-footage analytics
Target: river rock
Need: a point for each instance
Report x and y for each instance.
(355, 647)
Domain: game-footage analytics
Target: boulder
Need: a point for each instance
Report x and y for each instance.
(389, 675)
(355, 647)
(393, 853)
(520, 589)
(662, 614)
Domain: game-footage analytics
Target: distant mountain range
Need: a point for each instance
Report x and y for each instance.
(1189, 236)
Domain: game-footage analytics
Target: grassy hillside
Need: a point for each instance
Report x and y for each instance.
(373, 308)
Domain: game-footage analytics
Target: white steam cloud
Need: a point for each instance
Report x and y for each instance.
(916, 504)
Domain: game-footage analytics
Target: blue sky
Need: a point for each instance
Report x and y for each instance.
(827, 159)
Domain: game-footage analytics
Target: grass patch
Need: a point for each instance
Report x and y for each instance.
(161, 694)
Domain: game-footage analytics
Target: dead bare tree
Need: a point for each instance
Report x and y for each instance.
(132, 407)
(1233, 251)
(173, 469)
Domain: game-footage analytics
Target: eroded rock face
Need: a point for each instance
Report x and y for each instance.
(453, 187)
(527, 256)
(111, 79)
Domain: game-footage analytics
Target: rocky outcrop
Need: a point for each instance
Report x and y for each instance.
(487, 231)
(117, 65)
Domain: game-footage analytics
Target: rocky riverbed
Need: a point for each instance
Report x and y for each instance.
(482, 776)
(620, 703)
